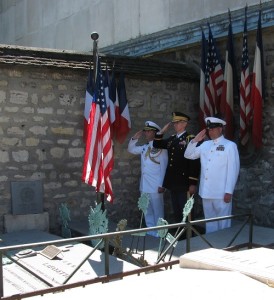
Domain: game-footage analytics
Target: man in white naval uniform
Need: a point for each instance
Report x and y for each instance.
(153, 168)
(220, 165)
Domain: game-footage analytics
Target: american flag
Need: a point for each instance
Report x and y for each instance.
(202, 114)
(227, 97)
(98, 159)
(213, 78)
(245, 108)
(257, 89)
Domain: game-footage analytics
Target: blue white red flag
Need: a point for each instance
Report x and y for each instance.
(202, 113)
(124, 117)
(88, 101)
(257, 89)
(227, 98)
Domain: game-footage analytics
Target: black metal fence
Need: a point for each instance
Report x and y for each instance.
(165, 258)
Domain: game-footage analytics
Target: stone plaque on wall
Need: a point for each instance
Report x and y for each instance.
(27, 197)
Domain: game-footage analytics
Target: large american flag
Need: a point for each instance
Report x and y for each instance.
(245, 107)
(257, 89)
(98, 159)
(213, 78)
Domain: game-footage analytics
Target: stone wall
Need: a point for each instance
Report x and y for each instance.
(41, 126)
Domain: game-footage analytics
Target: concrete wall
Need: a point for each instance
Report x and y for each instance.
(67, 24)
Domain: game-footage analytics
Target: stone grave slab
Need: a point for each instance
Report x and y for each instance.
(18, 281)
(256, 263)
(186, 284)
(57, 270)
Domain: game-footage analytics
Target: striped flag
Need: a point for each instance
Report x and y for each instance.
(124, 117)
(202, 114)
(98, 159)
(245, 108)
(213, 78)
(88, 101)
(257, 88)
(227, 98)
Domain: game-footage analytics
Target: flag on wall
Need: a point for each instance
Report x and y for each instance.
(213, 78)
(98, 159)
(227, 97)
(124, 121)
(202, 113)
(257, 89)
(245, 108)
(88, 101)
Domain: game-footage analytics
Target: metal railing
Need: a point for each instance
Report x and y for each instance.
(186, 228)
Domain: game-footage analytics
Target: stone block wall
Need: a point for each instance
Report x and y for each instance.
(41, 127)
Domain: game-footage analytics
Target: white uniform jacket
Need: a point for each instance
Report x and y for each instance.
(153, 165)
(220, 166)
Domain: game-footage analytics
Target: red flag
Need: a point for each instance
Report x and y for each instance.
(124, 117)
(98, 159)
(202, 113)
(88, 101)
(109, 101)
(213, 78)
(245, 108)
(256, 89)
(227, 98)
(114, 98)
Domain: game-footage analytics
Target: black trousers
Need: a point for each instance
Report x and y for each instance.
(178, 199)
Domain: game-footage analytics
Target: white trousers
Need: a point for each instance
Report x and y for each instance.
(155, 211)
(214, 208)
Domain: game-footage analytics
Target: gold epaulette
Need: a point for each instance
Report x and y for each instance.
(190, 137)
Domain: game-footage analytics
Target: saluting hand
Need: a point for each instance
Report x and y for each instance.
(165, 128)
(137, 135)
(200, 136)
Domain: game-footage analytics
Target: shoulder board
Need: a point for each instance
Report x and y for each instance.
(190, 137)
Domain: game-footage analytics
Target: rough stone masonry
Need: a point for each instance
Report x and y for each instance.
(41, 127)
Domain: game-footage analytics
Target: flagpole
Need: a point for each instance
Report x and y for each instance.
(94, 36)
